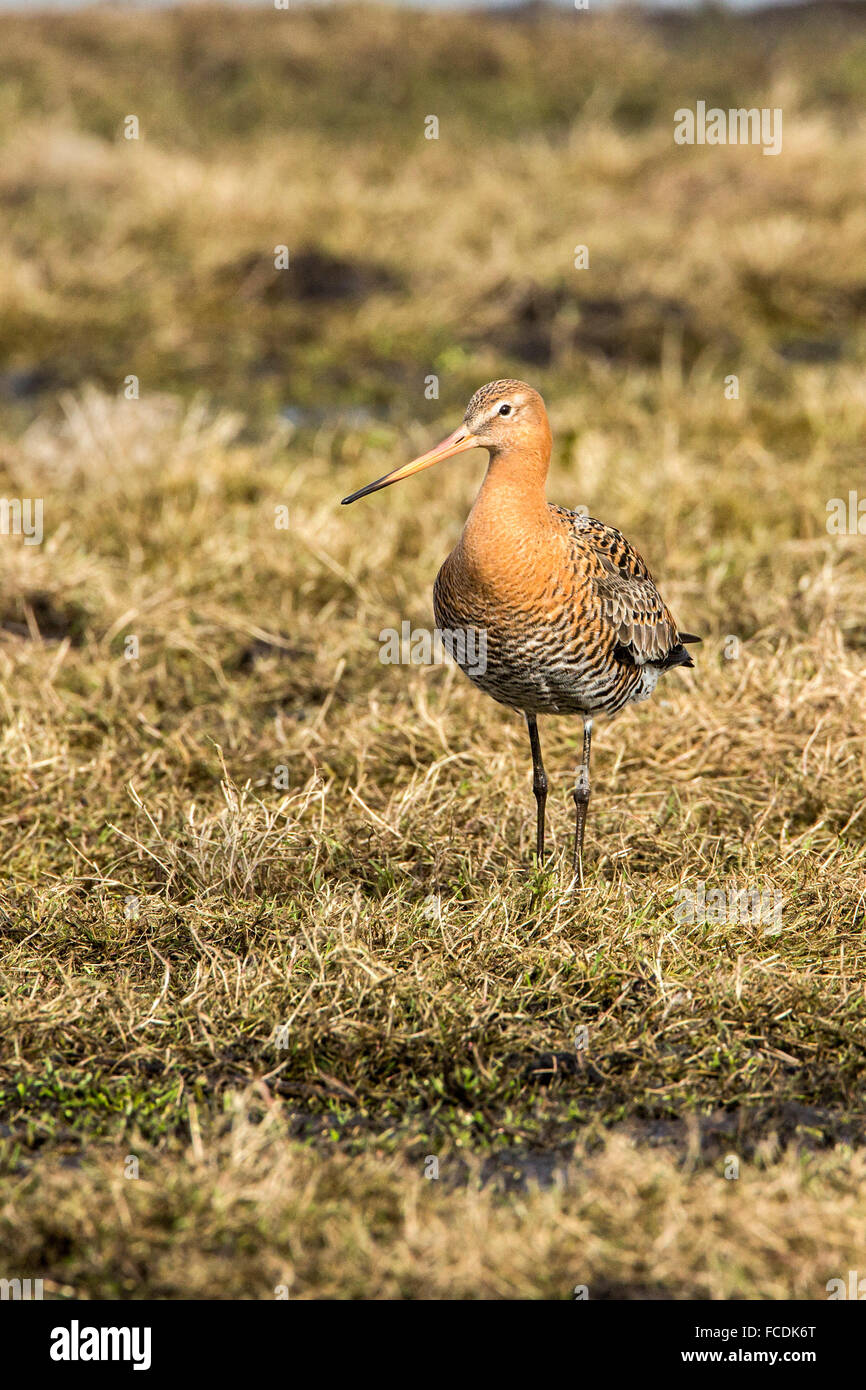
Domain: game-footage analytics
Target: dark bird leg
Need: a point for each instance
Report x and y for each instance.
(581, 801)
(539, 784)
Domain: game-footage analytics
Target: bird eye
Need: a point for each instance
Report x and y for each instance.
(505, 409)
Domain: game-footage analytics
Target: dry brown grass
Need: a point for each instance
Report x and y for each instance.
(249, 1216)
(319, 984)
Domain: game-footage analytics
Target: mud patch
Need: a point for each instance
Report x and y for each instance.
(40, 618)
(543, 322)
(311, 275)
(262, 648)
(23, 383)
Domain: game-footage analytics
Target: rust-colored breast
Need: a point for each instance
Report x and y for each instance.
(570, 616)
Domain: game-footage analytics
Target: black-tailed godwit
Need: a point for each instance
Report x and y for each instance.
(568, 614)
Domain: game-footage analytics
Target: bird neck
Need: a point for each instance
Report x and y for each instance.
(511, 506)
(516, 482)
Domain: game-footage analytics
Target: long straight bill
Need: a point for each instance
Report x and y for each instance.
(456, 443)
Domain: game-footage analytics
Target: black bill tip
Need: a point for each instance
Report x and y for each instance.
(365, 491)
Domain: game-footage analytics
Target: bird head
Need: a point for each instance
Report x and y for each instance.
(505, 415)
(501, 416)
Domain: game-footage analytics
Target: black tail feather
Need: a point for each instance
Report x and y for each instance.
(677, 656)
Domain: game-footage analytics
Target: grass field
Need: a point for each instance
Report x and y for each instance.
(274, 949)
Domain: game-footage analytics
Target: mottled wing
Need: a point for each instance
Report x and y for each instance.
(632, 606)
(629, 604)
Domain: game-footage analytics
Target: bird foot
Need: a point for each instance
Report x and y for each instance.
(577, 884)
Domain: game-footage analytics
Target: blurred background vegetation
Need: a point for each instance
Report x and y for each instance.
(409, 256)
